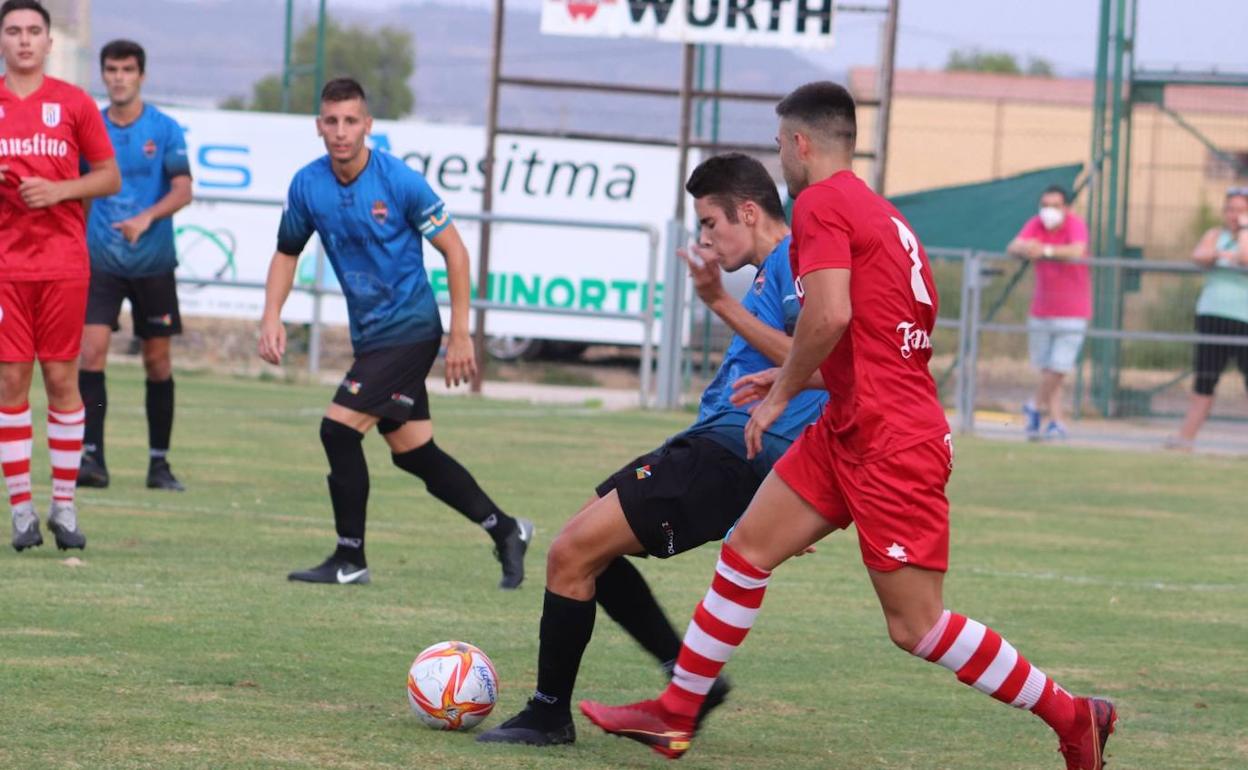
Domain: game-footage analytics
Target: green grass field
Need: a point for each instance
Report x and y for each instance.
(178, 643)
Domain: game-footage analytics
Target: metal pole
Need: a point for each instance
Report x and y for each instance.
(682, 145)
(885, 93)
(647, 324)
(972, 354)
(671, 350)
(487, 194)
(286, 74)
(320, 56)
(965, 410)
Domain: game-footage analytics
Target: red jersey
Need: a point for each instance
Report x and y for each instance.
(883, 397)
(45, 135)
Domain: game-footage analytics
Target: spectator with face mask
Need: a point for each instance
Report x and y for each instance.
(1057, 239)
(1221, 309)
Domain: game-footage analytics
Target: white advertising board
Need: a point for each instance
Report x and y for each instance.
(243, 163)
(772, 23)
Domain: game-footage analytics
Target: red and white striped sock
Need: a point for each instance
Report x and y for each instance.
(720, 623)
(990, 664)
(65, 431)
(16, 441)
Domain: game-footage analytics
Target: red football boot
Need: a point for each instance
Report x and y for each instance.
(645, 722)
(1084, 746)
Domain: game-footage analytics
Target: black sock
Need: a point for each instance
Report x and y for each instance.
(624, 594)
(451, 483)
(159, 417)
(95, 401)
(565, 629)
(348, 487)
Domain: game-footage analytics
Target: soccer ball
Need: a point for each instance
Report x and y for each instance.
(452, 686)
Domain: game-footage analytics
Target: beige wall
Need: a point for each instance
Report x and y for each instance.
(935, 142)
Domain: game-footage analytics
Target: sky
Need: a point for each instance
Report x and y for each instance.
(1190, 34)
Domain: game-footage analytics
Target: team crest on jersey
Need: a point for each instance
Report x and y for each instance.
(643, 473)
(149, 149)
(51, 114)
(380, 212)
(760, 282)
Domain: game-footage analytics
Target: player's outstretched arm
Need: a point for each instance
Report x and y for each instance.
(708, 281)
(101, 180)
(276, 289)
(461, 360)
(178, 197)
(825, 317)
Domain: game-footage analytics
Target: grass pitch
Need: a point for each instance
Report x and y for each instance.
(178, 642)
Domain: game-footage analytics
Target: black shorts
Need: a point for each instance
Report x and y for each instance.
(390, 383)
(687, 492)
(1211, 358)
(153, 303)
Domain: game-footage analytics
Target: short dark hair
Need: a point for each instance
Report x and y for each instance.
(343, 90)
(825, 106)
(732, 179)
(26, 5)
(1059, 190)
(119, 50)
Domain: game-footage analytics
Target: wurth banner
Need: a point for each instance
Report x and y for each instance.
(775, 23)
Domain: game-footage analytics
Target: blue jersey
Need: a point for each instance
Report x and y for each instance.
(771, 300)
(371, 230)
(151, 151)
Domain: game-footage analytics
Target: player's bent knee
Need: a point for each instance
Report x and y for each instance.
(567, 561)
(335, 434)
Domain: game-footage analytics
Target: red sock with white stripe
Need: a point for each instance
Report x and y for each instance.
(720, 623)
(16, 441)
(65, 431)
(990, 664)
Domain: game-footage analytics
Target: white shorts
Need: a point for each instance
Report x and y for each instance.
(1054, 343)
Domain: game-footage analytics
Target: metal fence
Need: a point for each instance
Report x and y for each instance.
(319, 289)
(1135, 371)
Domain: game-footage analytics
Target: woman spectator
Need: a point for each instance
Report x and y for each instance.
(1222, 309)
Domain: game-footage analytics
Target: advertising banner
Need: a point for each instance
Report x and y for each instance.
(773, 23)
(243, 163)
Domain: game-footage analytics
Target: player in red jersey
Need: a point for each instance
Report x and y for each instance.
(879, 457)
(47, 128)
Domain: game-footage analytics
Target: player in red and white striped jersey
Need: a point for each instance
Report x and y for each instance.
(47, 127)
(879, 457)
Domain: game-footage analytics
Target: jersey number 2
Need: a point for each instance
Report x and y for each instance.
(911, 245)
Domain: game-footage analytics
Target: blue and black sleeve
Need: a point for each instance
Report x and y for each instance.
(296, 228)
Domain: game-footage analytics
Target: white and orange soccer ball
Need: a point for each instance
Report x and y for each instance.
(452, 686)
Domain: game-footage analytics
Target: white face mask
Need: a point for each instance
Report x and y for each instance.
(1052, 217)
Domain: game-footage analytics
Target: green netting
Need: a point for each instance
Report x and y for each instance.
(984, 215)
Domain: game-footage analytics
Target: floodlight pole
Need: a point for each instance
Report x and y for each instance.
(286, 60)
(320, 56)
(487, 195)
(884, 92)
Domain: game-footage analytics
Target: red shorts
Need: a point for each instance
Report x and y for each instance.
(898, 502)
(42, 319)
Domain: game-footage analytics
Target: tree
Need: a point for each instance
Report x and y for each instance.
(382, 60)
(1000, 62)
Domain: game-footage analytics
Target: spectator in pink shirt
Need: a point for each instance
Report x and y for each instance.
(1057, 239)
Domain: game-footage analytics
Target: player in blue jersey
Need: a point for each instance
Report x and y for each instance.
(130, 239)
(693, 488)
(371, 211)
